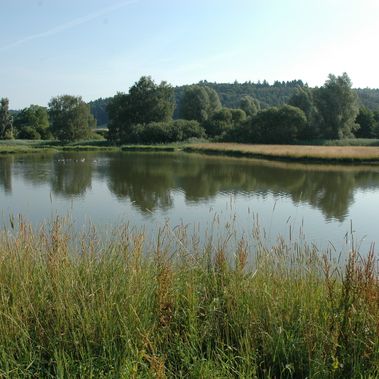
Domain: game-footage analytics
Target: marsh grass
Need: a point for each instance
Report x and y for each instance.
(39, 146)
(343, 142)
(333, 151)
(354, 154)
(76, 306)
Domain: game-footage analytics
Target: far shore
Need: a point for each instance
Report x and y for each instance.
(302, 153)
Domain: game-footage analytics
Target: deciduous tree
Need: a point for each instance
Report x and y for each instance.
(199, 103)
(337, 106)
(303, 99)
(223, 121)
(146, 102)
(276, 125)
(70, 118)
(367, 123)
(250, 105)
(32, 123)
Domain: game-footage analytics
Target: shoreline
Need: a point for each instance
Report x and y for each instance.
(292, 153)
(285, 153)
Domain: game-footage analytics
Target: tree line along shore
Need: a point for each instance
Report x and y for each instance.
(149, 114)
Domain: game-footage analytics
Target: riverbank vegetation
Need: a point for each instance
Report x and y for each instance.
(328, 112)
(53, 146)
(342, 151)
(172, 307)
(290, 152)
(152, 113)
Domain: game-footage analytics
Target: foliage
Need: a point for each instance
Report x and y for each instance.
(146, 102)
(230, 95)
(368, 97)
(149, 102)
(273, 125)
(118, 130)
(70, 118)
(199, 103)
(165, 132)
(337, 106)
(331, 112)
(98, 109)
(6, 120)
(32, 123)
(28, 132)
(250, 105)
(303, 99)
(222, 122)
(368, 126)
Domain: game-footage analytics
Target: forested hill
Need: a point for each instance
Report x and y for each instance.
(369, 97)
(99, 110)
(268, 95)
(230, 95)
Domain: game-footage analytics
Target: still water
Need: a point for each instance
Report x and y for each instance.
(148, 190)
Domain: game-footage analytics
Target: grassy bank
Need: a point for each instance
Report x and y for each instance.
(324, 152)
(341, 154)
(128, 308)
(342, 142)
(147, 148)
(26, 146)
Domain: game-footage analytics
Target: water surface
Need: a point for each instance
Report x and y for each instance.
(149, 189)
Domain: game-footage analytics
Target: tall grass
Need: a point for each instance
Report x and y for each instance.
(76, 306)
(348, 154)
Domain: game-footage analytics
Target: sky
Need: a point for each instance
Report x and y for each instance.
(95, 48)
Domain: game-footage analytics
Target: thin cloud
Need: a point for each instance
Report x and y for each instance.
(70, 24)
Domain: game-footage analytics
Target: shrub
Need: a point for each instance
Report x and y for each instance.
(274, 125)
(224, 121)
(165, 132)
(28, 132)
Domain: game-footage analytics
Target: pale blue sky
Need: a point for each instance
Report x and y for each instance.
(95, 48)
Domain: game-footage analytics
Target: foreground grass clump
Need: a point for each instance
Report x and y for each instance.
(78, 307)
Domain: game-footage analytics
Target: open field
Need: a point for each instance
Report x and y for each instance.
(291, 152)
(172, 308)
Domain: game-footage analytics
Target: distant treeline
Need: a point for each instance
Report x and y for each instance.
(230, 94)
(284, 112)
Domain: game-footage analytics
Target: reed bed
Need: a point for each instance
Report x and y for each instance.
(80, 307)
(292, 152)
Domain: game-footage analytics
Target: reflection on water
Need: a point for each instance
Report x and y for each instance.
(71, 176)
(6, 173)
(151, 181)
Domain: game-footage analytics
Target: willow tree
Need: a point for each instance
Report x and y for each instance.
(337, 106)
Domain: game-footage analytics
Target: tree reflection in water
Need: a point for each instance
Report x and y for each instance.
(150, 180)
(6, 164)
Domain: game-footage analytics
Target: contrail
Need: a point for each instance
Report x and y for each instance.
(69, 25)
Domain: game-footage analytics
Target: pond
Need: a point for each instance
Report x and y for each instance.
(147, 190)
